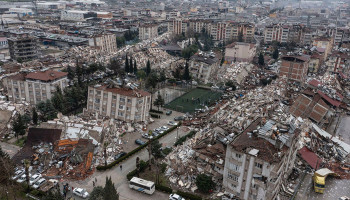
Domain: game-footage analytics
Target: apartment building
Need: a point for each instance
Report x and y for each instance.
(130, 105)
(177, 26)
(324, 45)
(202, 66)
(23, 48)
(35, 86)
(294, 67)
(240, 52)
(260, 159)
(104, 42)
(82, 15)
(148, 31)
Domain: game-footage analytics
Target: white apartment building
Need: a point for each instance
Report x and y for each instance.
(130, 105)
(148, 31)
(104, 42)
(73, 15)
(240, 52)
(177, 26)
(35, 86)
(258, 161)
(201, 67)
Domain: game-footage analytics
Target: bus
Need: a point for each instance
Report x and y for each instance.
(141, 185)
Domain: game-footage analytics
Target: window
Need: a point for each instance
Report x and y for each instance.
(105, 95)
(113, 113)
(113, 104)
(234, 167)
(90, 107)
(233, 186)
(232, 177)
(97, 100)
(129, 100)
(140, 101)
(258, 165)
(127, 108)
(114, 97)
(121, 107)
(120, 113)
(122, 99)
(238, 155)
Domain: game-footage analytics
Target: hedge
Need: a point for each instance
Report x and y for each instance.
(164, 188)
(156, 111)
(134, 172)
(182, 139)
(114, 163)
(155, 116)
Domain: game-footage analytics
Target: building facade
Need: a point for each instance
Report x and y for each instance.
(130, 105)
(201, 67)
(256, 164)
(294, 67)
(148, 31)
(23, 48)
(240, 52)
(35, 86)
(104, 42)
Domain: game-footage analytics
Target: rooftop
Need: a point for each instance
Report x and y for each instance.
(124, 91)
(48, 75)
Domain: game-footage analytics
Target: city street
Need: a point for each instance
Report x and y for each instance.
(119, 176)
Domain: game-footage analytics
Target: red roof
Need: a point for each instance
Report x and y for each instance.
(310, 157)
(315, 82)
(48, 75)
(330, 100)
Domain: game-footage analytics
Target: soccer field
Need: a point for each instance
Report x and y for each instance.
(194, 99)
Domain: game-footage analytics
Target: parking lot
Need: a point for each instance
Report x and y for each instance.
(128, 140)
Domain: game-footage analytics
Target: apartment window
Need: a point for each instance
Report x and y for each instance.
(238, 155)
(235, 167)
(113, 113)
(140, 101)
(103, 110)
(90, 107)
(121, 107)
(127, 108)
(129, 100)
(91, 91)
(122, 99)
(120, 113)
(97, 100)
(232, 177)
(113, 104)
(105, 95)
(258, 165)
(233, 186)
(114, 97)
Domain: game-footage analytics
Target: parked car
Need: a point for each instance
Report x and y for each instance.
(80, 192)
(22, 179)
(39, 183)
(179, 118)
(147, 136)
(155, 134)
(18, 174)
(164, 128)
(119, 155)
(140, 142)
(34, 178)
(169, 112)
(172, 123)
(175, 197)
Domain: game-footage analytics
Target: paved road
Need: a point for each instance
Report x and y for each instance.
(10, 149)
(119, 176)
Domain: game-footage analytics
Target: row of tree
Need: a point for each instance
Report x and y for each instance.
(130, 67)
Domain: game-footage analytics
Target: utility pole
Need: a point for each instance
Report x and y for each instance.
(149, 149)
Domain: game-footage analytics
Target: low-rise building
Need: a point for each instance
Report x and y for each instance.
(259, 159)
(35, 86)
(130, 105)
(148, 31)
(240, 52)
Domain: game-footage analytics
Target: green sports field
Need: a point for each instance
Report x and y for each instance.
(194, 99)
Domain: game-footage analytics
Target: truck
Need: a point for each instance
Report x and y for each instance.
(319, 179)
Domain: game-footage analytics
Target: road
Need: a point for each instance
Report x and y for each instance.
(119, 176)
(10, 149)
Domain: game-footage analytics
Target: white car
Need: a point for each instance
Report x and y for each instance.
(80, 192)
(164, 128)
(18, 174)
(175, 197)
(39, 183)
(172, 123)
(34, 178)
(22, 179)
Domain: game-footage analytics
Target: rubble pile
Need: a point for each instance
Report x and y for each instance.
(237, 72)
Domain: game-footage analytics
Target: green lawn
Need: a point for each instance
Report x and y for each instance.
(20, 142)
(189, 101)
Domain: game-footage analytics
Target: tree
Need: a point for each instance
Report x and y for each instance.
(148, 68)
(79, 72)
(240, 36)
(70, 74)
(275, 54)
(58, 100)
(53, 195)
(120, 41)
(204, 183)
(126, 64)
(115, 66)
(162, 76)
(97, 193)
(186, 76)
(141, 74)
(159, 101)
(110, 193)
(177, 73)
(131, 66)
(18, 126)
(26, 164)
(152, 80)
(47, 110)
(135, 67)
(34, 116)
(156, 149)
(261, 61)
(189, 51)
(6, 167)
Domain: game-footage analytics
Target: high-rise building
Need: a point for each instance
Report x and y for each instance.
(294, 67)
(23, 48)
(104, 42)
(148, 31)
